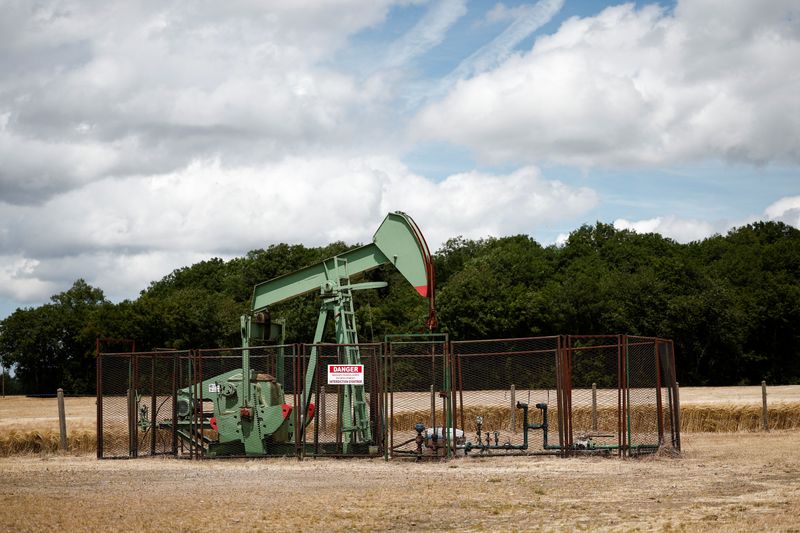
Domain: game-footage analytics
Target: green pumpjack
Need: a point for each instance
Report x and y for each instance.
(249, 414)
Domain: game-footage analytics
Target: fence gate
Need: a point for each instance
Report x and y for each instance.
(419, 392)
(136, 402)
(349, 419)
(493, 377)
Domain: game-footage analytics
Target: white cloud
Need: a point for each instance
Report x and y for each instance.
(120, 234)
(678, 229)
(98, 89)
(478, 205)
(684, 230)
(785, 210)
(638, 87)
(19, 281)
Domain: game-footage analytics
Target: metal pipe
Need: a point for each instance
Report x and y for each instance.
(526, 426)
(99, 401)
(153, 409)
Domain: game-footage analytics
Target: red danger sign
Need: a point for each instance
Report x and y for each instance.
(345, 374)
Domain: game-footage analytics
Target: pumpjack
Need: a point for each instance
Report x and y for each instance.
(250, 415)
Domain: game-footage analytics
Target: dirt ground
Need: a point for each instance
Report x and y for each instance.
(723, 482)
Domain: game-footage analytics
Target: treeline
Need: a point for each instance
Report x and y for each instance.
(731, 303)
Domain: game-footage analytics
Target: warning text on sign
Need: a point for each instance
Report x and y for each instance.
(345, 374)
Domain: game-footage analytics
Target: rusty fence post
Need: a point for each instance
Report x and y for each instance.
(764, 412)
(594, 406)
(62, 420)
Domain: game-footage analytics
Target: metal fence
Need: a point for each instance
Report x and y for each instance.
(422, 397)
(348, 419)
(419, 394)
(135, 398)
(492, 377)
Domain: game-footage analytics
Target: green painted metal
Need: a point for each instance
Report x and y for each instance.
(397, 241)
(259, 426)
(250, 423)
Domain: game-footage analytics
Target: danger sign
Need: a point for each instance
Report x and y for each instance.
(345, 374)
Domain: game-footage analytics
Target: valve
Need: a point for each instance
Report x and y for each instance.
(419, 428)
(144, 421)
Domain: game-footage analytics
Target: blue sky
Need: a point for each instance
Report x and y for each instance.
(137, 138)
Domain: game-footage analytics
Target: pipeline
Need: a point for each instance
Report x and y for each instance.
(543, 426)
(486, 445)
(469, 446)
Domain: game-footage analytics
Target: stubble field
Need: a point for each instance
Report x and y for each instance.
(723, 482)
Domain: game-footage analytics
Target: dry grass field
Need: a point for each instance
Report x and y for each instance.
(723, 482)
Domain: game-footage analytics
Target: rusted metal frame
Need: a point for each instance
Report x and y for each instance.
(153, 405)
(174, 414)
(646, 342)
(433, 384)
(99, 400)
(318, 414)
(570, 435)
(385, 399)
(562, 393)
(297, 398)
(453, 402)
(369, 362)
(461, 391)
(676, 406)
(195, 384)
(433, 387)
(659, 407)
(516, 352)
(134, 427)
(596, 347)
(559, 356)
(200, 451)
(670, 398)
(339, 414)
(509, 339)
(374, 385)
(376, 398)
(624, 362)
(479, 341)
(390, 391)
(192, 371)
(369, 371)
(620, 403)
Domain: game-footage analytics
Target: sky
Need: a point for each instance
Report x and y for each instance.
(140, 137)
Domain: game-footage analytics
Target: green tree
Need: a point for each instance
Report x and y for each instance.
(48, 345)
